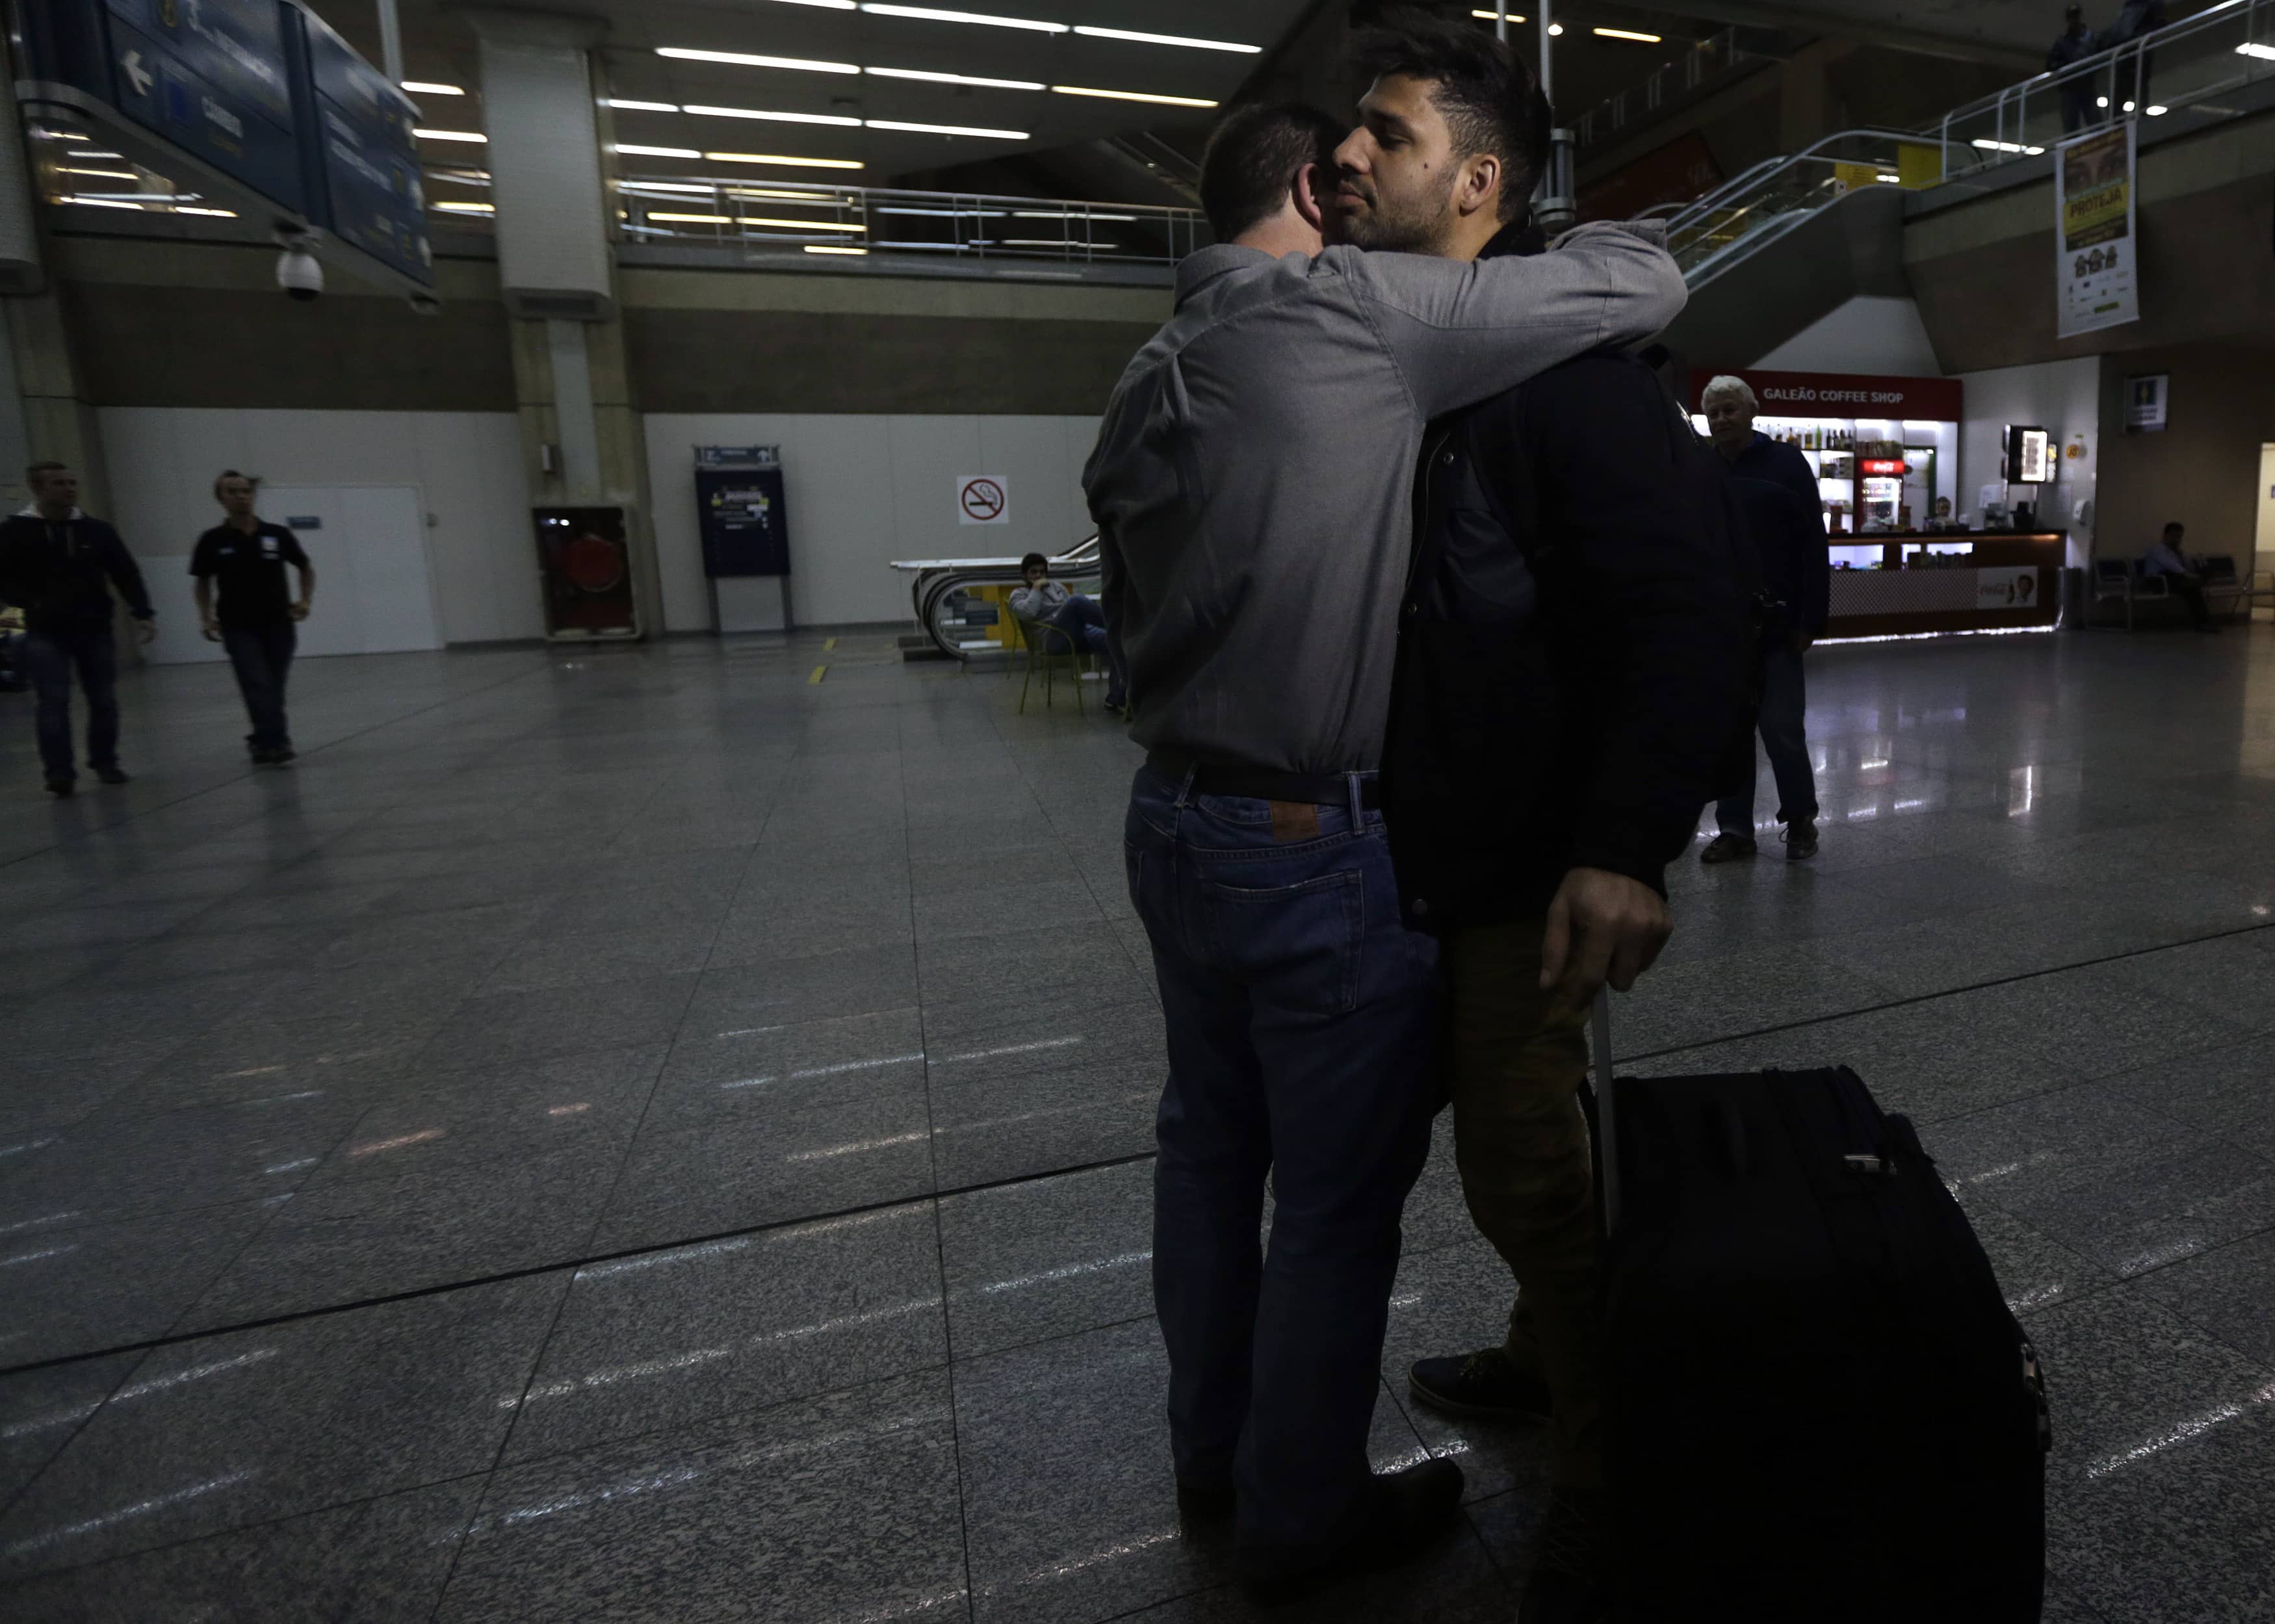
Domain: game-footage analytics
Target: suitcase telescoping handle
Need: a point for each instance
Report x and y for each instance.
(1607, 1129)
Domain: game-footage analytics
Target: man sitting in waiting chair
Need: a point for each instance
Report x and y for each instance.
(2163, 558)
(1043, 602)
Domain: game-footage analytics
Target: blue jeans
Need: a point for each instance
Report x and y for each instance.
(261, 656)
(1303, 1023)
(1081, 619)
(49, 658)
(1785, 704)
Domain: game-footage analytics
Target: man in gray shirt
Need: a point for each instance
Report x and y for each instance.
(1252, 485)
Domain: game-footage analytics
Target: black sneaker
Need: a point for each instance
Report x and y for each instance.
(1571, 1580)
(1401, 1514)
(112, 775)
(285, 754)
(1488, 1384)
(264, 756)
(60, 788)
(1801, 842)
(1728, 849)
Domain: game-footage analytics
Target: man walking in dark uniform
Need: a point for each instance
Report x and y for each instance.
(58, 564)
(256, 618)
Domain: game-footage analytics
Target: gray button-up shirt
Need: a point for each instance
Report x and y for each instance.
(1253, 479)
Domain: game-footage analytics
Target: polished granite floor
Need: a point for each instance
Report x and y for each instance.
(662, 1134)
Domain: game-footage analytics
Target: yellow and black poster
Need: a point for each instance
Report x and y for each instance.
(2096, 242)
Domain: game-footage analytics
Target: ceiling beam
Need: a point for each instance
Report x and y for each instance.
(1808, 19)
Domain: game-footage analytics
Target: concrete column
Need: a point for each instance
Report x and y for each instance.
(540, 93)
(1809, 105)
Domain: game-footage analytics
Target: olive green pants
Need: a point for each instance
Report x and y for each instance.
(1522, 1144)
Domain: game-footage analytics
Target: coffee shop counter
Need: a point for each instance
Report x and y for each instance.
(1910, 582)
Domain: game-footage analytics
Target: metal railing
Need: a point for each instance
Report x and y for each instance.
(769, 218)
(1777, 194)
(1704, 64)
(2182, 69)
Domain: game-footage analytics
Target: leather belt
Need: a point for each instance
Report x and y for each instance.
(1262, 784)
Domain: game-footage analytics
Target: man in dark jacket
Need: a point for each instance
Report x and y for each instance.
(58, 565)
(1777, 491)
(2075, 45)
(1568, 656)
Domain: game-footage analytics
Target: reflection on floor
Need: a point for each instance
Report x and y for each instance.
(646, 1135)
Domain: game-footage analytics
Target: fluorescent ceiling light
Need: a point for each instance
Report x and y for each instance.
(834, 248)
(217, 214)
(466, 209)
(623, 105)
(644, 188)
(781, 158)
(1987, 144)
(1133, 95)
(1165, 39)
(948, 129)
(1556, 31)
(100, 203)
(2159, 112)
(952, 79)
(1495, 17)
(2265, 53)
(942, 213)
(59, 135)
(741, 59)
(2128, 106)
(418, 88)
(827, 5)
(1891, 180)
(816, 198)
(1627, 33)
(450, 135)
(801, 225)
(932, 14)
(105, 174)
(753, 112)
(694, 219)
(630, 151)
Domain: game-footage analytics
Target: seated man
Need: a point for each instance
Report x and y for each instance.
(2163, 558)
(1046, 603)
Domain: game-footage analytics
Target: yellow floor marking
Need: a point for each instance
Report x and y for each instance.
(831, 644)
(816, 677)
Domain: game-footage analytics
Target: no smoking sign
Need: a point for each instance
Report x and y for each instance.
(983, 499)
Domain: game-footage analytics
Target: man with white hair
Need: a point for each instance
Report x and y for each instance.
(1777, 490)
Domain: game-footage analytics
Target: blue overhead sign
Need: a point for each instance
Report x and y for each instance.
(261, 92)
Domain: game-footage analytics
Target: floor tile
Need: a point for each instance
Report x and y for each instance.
(662, 1339)
(1049, 1255)
(500, 1028)
(41, 1410)
(79, 1288)
(823, 986)
(231, 1431)
(2157, 1211)
(841, 1507)
(2228, 1293)
(1456, 1301)
(376, 1562)
(763, 1070)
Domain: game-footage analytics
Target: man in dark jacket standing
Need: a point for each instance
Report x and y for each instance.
(257, 617)
(1777, 490)
(2075, 45)
(58, 564)
(1569, 649)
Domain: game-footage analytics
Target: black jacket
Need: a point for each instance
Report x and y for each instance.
(1572, 649)
(57, 573)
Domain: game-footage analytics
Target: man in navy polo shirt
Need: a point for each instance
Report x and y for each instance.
(255, 619)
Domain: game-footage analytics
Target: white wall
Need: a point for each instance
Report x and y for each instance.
(2063, 396)
(467, 465)
(1867, 334)
(863, 491)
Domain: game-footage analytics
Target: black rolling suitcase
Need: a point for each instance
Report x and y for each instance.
(1818, 1405)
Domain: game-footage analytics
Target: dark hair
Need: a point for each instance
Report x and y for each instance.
(2172, 525)
(231, 473)
(1488, 93)
(32, 474)
(1253, 158)
(1031, 561)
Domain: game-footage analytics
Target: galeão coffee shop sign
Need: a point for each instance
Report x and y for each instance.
(2097, 241)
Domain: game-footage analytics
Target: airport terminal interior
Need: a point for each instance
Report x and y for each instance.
(642, 1106)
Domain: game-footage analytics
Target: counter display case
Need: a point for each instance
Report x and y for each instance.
(1909, 584)
(1883, 450)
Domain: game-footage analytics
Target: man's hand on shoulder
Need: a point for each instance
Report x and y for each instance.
(1602, 928)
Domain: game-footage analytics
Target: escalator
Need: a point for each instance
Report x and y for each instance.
(962, 605)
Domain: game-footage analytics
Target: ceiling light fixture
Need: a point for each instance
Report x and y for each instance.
(2252, 48)
(947, 129)
(1133, 95)
(1136, 38)
(625, 105)
(100, 203)
(418, 87)
(933, 14)
(1083, 214)
(693, 219)
(644, 188)
(216, 214)
(2159, 112)
(104, 174)
(451, 135)
(744, 60)
(465, 209)
(1628, 34)
(1053, 242)
(953, 79)
(835, 248)
(1495, 17)
(630, 151)
(816, 198)
(827, 5)
(1556, 31)
(781, 158)
(772, 117)
(801, 225)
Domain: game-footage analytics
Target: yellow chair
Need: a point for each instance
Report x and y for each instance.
(1048, 648)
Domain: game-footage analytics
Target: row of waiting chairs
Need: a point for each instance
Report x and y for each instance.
(2225, 589)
